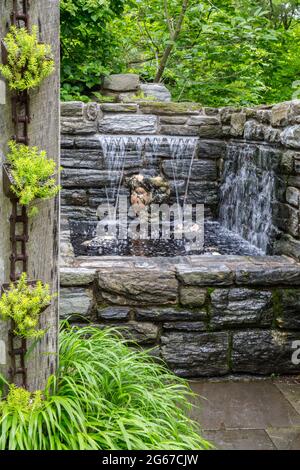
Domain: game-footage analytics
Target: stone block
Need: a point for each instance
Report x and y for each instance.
(121, 82)
(158, 314)
(238, 121)
(196, 354)
(168, 129)
(169, 109)
(211, 149)
(191, 296)
(76, 276)
(287, 245)
(293, 196)
(156, 91)
(240, 307)
(76, 125)
(71, 108)
(190, 327)
(138, 286)
(142, 333)
(113, 313)
(210, 131)
(128, 124)
(290, 137)
(268, 276)
(206, 275)
(203, 170)
(263, 352)
(75, 301)
(89, 178)
(119, 107)
(203, 121)
(288, 309)
(92, 159)
(173, 120)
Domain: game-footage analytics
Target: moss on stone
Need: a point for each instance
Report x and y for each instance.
(161, 107)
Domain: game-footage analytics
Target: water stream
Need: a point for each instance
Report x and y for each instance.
(247, 194)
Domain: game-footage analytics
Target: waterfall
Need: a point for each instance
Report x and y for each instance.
(247, 194)
(145, 150)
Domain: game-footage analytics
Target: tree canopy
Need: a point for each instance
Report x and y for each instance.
(217, 52)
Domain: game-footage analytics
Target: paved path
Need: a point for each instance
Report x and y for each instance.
(252, 415)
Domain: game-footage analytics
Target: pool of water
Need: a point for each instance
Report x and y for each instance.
(217, 241)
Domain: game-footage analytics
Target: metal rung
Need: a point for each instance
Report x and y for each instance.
(15, 257)
(19, 238)
(17, 352)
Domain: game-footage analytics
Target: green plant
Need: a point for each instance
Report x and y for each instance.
(32, 173)
(105, 396)
(23, 303)
(28, 62)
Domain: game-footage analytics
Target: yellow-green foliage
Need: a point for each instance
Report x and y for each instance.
(33, 174)
(29, 62)
(23, 304)
(19, 399)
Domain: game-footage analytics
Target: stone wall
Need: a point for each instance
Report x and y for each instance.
(202, 316)
(205, 316)
(272, 130)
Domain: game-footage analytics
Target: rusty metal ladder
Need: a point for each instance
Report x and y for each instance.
(19, 217)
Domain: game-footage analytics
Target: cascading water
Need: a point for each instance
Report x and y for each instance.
(247, 194)
(246, 198)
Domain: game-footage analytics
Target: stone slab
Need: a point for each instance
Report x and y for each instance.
(242, 405)
(240, 439)
(285, 438)
(138, 287)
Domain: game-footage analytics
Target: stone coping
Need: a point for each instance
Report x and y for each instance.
(191, 270)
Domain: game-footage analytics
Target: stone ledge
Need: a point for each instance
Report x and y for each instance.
(76, 276)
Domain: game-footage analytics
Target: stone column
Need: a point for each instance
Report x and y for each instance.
(44, 228)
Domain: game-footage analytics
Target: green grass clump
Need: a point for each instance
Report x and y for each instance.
(106, 396)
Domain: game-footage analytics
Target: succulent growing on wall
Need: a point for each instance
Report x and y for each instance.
(23, 303)
(32, 174)
(28, 62)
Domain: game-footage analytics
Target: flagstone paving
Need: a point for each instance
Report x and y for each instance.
(249, 415)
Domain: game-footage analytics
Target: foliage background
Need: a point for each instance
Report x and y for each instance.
(236, 52)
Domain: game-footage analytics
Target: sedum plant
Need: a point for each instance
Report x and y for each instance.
(28, 62)
(33, 174)
(23, 303)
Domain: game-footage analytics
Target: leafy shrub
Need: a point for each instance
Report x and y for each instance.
(105, 396)
(29, 62)
(23, 303)
(33, 174)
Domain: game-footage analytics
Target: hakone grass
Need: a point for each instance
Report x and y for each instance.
(105, 396)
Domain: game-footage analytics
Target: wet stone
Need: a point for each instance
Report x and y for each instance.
(214, 274)
(113, 313)
(196, 354)
(191, 296)
(288, 309)
(170, 314)
(264, 352)
(241, 307)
